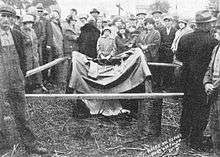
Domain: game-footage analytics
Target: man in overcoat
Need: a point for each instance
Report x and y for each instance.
(211, 82)
(194, 51)
(12, 87)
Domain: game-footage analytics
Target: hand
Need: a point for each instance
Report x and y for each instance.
(209, 88)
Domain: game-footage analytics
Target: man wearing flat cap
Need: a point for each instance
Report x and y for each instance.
(195, 50)
(12, 71)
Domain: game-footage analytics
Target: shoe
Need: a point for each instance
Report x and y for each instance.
(36, 150)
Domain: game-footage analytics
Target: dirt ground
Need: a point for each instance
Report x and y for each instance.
(67, 136)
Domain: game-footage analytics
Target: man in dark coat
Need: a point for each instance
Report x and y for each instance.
(194, 51)
(165, 53)
(88, 39)
(12, 65)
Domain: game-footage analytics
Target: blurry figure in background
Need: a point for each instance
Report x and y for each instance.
(133, 21)
(123, 40)
(88, 38)
(46, 15)
(211, 83)
(95, 14)
(183, 30)
(82, 20)
(149, 42)
(34, 83)
(40, 30)
(99, 23)
(116, 23)
(104, 23)
(73, 13)
(166, 54)
(17, 20)
(70, 35)
(158, 17)
(195, 50)
(106, 47)
(58, 74)
(140, 21)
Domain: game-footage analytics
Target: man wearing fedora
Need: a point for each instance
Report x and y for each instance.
(212, 87)
(12, 87)
(95, 13)
(195, 51)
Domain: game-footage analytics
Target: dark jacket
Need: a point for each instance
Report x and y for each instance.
(122, 43)
(19, 41)
(195, 51)
(70, 37)
(165, 52)
(87, 40)
(152, 39)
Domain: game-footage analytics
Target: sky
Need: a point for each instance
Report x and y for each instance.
(186, 8)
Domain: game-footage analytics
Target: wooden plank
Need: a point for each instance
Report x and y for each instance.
(46, 66)
(106, 96)
(163, 64)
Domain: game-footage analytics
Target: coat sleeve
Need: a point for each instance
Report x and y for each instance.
(49, 34)
(209, 73)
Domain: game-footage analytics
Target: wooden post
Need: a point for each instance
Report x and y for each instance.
(119, 8)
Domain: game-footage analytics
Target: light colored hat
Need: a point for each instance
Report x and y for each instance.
(204, 16)
(6, 9)
(40, 7)
(28, 19)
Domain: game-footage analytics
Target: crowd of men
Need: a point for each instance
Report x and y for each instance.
(38, 38)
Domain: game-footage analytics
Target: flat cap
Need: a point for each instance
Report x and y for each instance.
(6, 9)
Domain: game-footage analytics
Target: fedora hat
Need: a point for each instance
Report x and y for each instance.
(204, 16)
(28, 19)
(94, 10)
(141, 13)
(6, 9)
(217, 25)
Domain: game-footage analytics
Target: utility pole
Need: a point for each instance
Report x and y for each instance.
(119, 8)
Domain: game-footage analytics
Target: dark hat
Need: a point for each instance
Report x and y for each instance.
(94, 10)
(217, 25)
(156, 12)
(149, 20)
(204, 16)
(141, 13)
(169, 18)
(132, 17)
(6, 9)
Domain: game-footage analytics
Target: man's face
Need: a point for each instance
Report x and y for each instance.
(149, 26)
(217, 34)
(157, 16)
(118, 23)
(167, 23)
(6, 21)
(40, 13)
(83, 20)
(95, 14)
(182, 25)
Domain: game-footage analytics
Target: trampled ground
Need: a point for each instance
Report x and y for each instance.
(97, 137)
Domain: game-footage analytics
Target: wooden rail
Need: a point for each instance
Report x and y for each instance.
(106, 96)
(46, 66)
(59, 60)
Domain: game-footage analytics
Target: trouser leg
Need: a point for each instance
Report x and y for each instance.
(17, 101)
(186, 117)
